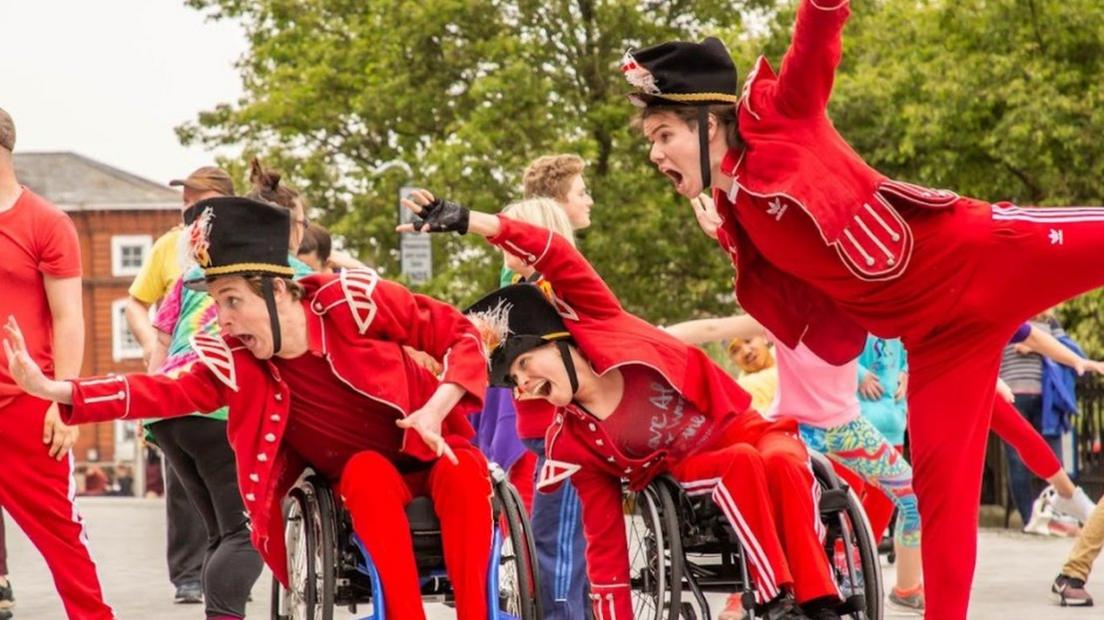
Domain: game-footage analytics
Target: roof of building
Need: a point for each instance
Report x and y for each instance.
(76, 183)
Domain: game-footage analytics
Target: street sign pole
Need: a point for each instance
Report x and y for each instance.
(415, 250)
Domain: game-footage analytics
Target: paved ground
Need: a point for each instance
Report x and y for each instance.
(128, 541)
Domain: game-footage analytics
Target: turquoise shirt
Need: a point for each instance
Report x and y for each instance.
(887, 359)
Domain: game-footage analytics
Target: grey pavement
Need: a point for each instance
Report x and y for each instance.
(1013, 575)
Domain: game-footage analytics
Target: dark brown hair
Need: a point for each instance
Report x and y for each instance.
(266, 186)
(724, 113)
(316, 239)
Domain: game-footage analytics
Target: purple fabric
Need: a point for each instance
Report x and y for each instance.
(496, 428)
(1022, 332)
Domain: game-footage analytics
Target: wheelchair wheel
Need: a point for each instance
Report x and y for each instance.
(655, 553)
(850, 545)
(312, 553)
(518, 581)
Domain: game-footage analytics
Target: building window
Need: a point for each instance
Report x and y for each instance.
(128, 252)
(124, 346)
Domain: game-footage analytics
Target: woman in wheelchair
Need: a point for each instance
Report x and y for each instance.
(316, 375)
(632, 403)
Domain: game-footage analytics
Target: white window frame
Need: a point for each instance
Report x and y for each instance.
(119, 327)
(118, 242)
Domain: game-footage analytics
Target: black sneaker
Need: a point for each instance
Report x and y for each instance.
(188, 594)
(7, 599)
(783, 607)
(1071, 592)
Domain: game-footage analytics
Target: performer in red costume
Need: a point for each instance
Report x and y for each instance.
(827, 248)
(317, 376)
(633, 402)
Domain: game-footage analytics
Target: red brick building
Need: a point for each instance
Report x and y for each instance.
(118, 217)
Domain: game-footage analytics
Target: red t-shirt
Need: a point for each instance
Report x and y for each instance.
(36, 239)
(653, 415)
(329, 422)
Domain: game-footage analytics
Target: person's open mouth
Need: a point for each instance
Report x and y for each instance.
(674, 175)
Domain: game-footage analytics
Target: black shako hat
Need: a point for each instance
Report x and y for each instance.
(237, 236)
(681, 72)
(521, 318)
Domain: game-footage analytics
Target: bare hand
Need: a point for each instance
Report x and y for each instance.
(1005, 392)
(423, 359)
(902, 386)
(1022, 349)
(20, 364)
(59, 436)
(706, 213)
(870, 388)
(427, 423)
(1084, 365)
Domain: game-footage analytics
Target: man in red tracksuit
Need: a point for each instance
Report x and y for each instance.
(634, 402)
(317, 376)
(826, 249)
(40, 276)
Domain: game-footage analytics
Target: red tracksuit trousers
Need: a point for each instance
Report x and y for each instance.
(38, 494)
(760, 478)
(376, 494)
(1003, 268)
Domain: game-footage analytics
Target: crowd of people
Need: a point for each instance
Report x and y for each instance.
(269, 352)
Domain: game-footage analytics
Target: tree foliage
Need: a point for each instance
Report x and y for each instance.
(998, 99)
(467, 92)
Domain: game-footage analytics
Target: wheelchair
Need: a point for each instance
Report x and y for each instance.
(681, 547)
(328, 565)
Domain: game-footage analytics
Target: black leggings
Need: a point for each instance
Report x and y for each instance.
(199, 452)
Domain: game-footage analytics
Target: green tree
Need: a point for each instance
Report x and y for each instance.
(467, 92)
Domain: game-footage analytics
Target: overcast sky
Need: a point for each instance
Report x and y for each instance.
(109, 79)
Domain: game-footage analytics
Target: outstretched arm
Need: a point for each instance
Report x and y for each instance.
(1044, 344)
(809, 67)
(713, 330)
(573, 279)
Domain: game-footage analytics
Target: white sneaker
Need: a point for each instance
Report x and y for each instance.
(1079, 506)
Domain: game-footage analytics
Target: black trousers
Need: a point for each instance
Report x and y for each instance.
(187, 535)
(200, 454)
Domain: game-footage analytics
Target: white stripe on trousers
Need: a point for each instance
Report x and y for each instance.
(1057, 215)
(753, 551)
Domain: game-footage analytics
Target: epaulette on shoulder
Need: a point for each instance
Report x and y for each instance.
(217, 356)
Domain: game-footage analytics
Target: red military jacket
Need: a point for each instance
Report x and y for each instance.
(576, 445)
(793, 155)
(365, 321)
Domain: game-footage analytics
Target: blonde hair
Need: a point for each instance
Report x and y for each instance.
(543, 212)
(551, 176)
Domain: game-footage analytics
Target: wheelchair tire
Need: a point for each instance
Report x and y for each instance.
(524, 602)
(655, 553)
(846, 518)
(311, 551)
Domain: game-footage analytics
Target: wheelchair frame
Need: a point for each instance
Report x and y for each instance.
(705, 555)
(329, 567)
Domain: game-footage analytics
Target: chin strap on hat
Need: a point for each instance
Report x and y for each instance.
(703, 147)
(569, 365)
(273, 318)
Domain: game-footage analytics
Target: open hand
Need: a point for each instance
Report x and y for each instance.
(427, 423)
(20, 364)
(870, 388)
(435, 214)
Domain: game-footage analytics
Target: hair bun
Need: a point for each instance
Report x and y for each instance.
(261, 177)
